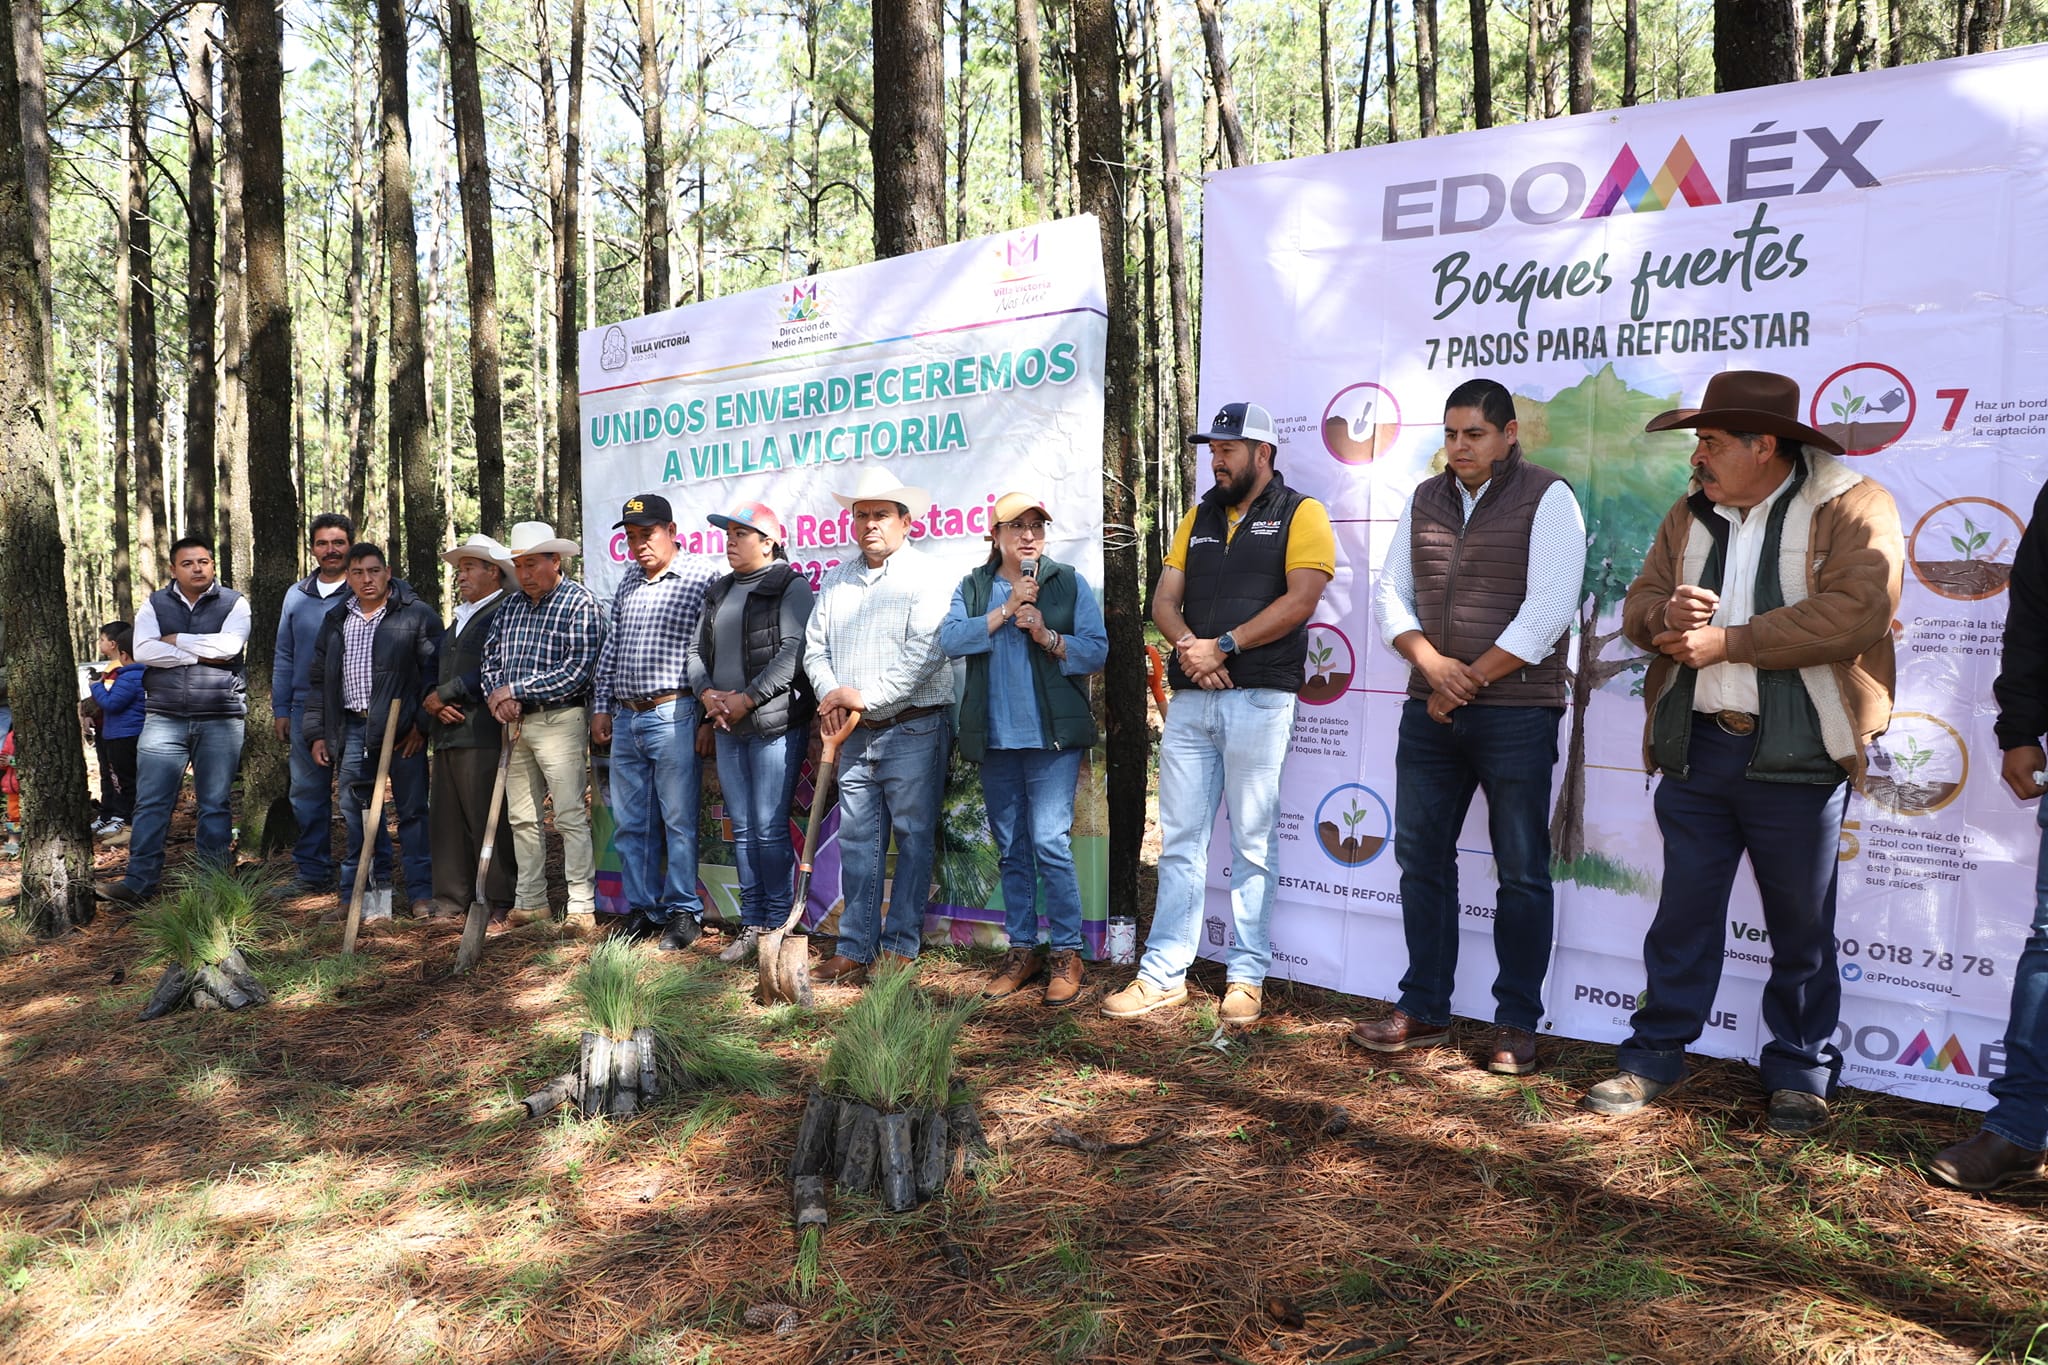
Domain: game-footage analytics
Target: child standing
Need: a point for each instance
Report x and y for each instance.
(118, 693)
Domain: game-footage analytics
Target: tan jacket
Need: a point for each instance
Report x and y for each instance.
(1839, 565)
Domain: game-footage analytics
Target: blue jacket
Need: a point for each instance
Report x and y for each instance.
(121, 703)
(298, 630)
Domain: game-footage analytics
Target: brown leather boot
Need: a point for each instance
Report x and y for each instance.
(1397, 1032)
(1064, 977)
(841, 971)
(1984, 1162)
(1018, 967)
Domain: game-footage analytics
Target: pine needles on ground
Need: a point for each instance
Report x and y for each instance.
(214, 911)
(697, 1021)
(894, 1046)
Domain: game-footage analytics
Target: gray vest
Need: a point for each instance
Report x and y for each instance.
(210, 689)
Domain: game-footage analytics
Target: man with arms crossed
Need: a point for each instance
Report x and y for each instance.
(1478, 593)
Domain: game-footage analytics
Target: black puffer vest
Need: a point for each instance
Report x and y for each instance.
(761, 631)
(1231, 579)
(210, 689)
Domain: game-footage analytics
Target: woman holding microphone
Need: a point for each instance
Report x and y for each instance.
(1031, 632)
(746, 667)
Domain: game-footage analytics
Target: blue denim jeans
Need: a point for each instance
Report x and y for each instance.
(891, 783)
(1507, 752)
(2020, 1114)
(312, 797)
(1030, 798)
(213, 750)
(758, 777)
(1229, 744)
(356, 771)
(656, 782)
(1792, 833)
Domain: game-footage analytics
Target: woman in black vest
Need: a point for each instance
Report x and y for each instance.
(1031, 632)
(746, 667)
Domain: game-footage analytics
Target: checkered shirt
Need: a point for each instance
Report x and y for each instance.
(877, 630)
(358, 641)
(653, 621)
(546, 650)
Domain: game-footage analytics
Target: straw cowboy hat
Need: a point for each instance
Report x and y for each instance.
(1755, 401)
(879, 485)
(479, 546)
(539, 538)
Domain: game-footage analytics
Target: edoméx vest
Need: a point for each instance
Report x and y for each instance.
(1231, 579)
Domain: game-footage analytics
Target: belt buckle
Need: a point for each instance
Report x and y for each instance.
(1738, 723)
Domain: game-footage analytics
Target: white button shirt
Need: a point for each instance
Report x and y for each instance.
(1731, 686)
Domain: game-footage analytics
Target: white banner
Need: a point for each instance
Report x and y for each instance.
(1877, 237)
(971, 369)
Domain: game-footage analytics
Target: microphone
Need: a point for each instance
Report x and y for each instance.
(1028, 567)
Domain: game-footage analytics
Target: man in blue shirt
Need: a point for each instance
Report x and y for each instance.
(306, 604)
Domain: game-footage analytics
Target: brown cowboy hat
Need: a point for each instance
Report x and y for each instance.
(1755, 401)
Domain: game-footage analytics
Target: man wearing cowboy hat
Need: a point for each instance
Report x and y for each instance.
(537, 668)
(872, 646)
(1767, 603)
(466, 738)
(641, 705)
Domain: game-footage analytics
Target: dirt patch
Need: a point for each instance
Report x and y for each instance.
(1348, 448)
(1350, 849)
(1863, 437)
(1969, 579)
(1908, 798)
(1325, 687)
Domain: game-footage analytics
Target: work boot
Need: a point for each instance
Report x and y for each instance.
(1241, 1004)
(1795, 1111)
(1984, 1162)
(1064, 977)
(1398, 1032)
(518, 915)
(895, 961)
(1623, 1094)
(682, 930)
(841, 971)
(1512, 1051)
(1020, 966)
(120, 893)
(580, 923)
(745, 946)
(1142, 997)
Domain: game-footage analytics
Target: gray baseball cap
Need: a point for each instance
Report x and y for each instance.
(1239, 422)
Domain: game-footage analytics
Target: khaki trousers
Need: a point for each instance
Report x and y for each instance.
(552, 757)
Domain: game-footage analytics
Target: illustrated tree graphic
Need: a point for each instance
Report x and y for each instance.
(1351, 818)
(1320, 653)
(1970, 541)
(1850, 405)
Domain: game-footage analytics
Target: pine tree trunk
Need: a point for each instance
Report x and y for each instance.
(1482, 66)
(1895, 51)
(1327, 69)
(1425, 66)
(1030, 108)
(1532, 55)
(151, 525)
(266, 813)
(910, 126)
(963, 121)
(1580, 13)
(486, 382)
(56, 849)
(411, 455)
(1219, 78)
(1100, 112)
(1180, 301)
(654, 293)
(124, 450)
(200, 274)
(1755, 43)
(1631, 51)
(237, 528)
(568, 518)
(1364, 75)
(1393, 81)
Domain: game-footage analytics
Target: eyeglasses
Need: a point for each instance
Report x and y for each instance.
(1024, 528)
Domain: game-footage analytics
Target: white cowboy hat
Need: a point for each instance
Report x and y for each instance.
(479, 546)
(539, 538)
(879, 485)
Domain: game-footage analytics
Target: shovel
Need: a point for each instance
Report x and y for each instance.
(373, 824)
(784, 956)
(472, 946)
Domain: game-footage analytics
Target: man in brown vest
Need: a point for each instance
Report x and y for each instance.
(1477, 593)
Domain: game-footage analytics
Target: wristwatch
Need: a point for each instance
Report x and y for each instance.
(1226, 643)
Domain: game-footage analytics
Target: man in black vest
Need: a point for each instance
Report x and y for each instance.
(466, 739)
(1247, 568)
(1478, 592)
(190, 635)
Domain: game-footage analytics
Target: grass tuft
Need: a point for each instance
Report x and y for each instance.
(213, 911)
(691, 1008)
(894, 1046)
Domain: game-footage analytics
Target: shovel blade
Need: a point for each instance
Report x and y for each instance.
(768, 961)
(795, 953)
(471, 948)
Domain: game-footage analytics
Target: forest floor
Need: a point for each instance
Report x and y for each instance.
(346, 1175)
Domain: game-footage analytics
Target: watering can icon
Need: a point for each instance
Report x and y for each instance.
(1891, 401)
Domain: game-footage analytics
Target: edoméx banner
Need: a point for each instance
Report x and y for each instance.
(969, 370)
(1876, 237)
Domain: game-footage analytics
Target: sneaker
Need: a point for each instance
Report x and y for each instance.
(1512, 1051)
(1795, 1111)
(1142, 997)
(682, 930)
(1398, 1032)
(1020, 967)
(1624, 1093)
(102, 825)
(742, 948)
(1984, 1162)
(1241, 1004)
(1064, 977)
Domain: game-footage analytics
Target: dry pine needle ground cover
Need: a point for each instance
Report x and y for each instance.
(345, 1176)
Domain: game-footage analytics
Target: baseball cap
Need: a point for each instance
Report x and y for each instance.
(1011, 506)
(645, 509)
(755, 516)
(1239, 422)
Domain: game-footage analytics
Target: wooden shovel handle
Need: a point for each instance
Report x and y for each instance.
(829, 750)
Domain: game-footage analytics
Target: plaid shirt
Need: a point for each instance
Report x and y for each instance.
(358, 639)
(878, 630)
(653, 621)
(546, 650)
